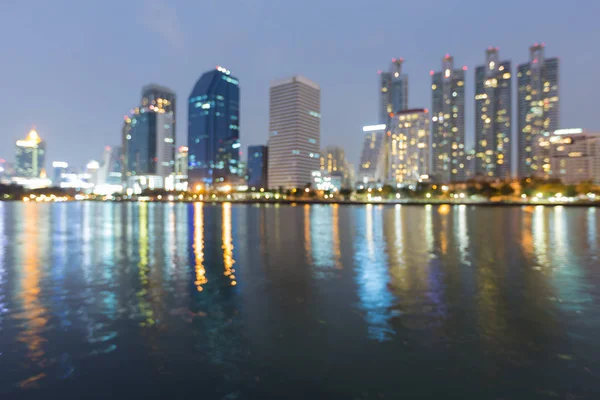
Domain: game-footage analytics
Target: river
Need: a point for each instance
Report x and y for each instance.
(148, 300)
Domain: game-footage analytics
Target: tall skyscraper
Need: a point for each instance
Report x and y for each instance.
(295, 132)
(258, 157)
(30, 156)
(149, 140)
(493, 127)
(214, 128)
(154, 95)
(393, 91)
(373, 165)
(448, 122)
(538, 108)
(409, 146)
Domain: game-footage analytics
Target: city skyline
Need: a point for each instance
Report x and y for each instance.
(119, 84)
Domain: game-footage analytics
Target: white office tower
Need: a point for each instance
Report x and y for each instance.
(294, 132)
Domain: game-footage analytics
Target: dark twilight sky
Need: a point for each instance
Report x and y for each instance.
(74, 68)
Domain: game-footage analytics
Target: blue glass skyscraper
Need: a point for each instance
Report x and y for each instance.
(214, 128)
(257, 166)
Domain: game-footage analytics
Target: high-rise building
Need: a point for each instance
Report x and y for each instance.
(393, 91)
(150, 144)
(538, 107)
(295, 132)
(333, 161)
(163, 98)
(409, 146)
(448, 122)
(573, 155)
(149, 137)
(181, 161)
(372, 163)
(30, 156)
(214, 128)
(258, 156)
(493, 98)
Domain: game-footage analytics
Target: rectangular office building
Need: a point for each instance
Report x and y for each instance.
(294, 132)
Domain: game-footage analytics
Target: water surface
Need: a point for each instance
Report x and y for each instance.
(128, 300)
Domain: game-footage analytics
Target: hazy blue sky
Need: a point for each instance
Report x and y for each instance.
(74, 68)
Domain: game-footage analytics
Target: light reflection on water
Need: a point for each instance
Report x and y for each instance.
(373, 276)
(252, 299)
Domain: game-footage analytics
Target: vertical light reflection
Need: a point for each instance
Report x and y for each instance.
(199, 246)
(34, 313)
(3, 299)
(560, 232)
(527, 230)
(169, 232)
(87, 240)
(321, 238)
(373, 278)
(369, 231)
(399, 233)
(228, 260)
(429, 228)
(145, 308)
(2, 267)
(335, 226)
(462, 233)
(444, 210)
(307, 239)
(108, 239)
(181, 225)
(108, 251)
(567, 275)
(540, 246)
(592, 231)
(130, 227)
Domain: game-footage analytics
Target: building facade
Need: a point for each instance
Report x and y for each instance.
(448, 122)
(149, 142)
(372, 161)
(181, 161)
(30, 155)
(334, 163)
(258, 157)
(393, 91)
(493, 126)
(214, 128)
(409, 146)
(538, 107)
(570, 155)
(294, 132)
(163, 98)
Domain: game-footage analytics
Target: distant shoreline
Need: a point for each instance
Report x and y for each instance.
(350, 203)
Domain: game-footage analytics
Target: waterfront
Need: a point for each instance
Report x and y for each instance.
(124, 300)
